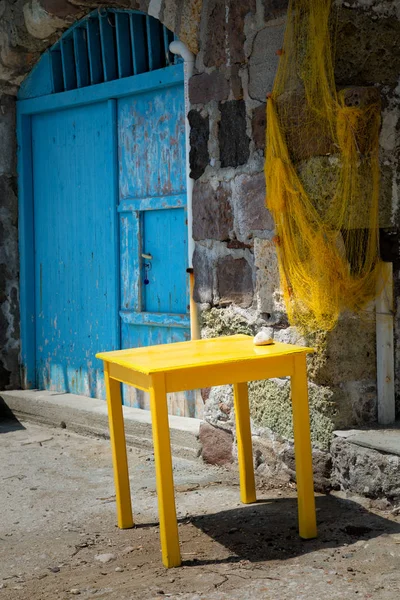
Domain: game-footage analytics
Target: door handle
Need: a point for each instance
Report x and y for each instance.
(147, 256)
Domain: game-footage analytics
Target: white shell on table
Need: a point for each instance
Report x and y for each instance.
(263, 338)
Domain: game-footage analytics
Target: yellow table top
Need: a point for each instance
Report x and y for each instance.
(196, 353)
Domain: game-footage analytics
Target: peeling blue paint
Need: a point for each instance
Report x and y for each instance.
(102, 181)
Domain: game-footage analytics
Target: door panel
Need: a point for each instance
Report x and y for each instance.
(164, 238)
(109, 187)
(152, 190)
(151, 130)
(76, 258)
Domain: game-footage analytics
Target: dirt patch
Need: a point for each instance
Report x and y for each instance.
(58, 506)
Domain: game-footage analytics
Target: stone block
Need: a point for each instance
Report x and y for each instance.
(360, 35)
(274, 8)
(360, 97)
(346, 354)
(235, 281)
(319, 176)
(225, 31)
(236, 36)
(212, 213)
(40, 23)
(227, 321)
(389, 132)
(199, 157)
(271, 407)
(216, 445)
(263, 62)
(304, 133)
(216, 33)
(267, 455)
(8, 226)
(188, 18)
(168, 14)
(206, 87)
(365, 471)
(218, 408)
(258, 126)
(356, 403)
(8, 142)
(251, 216)
(9, 266)
(269, 297)
(64, 8)
(203, 275)
(236, 82)
(233, 139)
(322, 467)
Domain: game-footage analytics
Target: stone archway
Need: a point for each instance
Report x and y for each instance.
(27, 29)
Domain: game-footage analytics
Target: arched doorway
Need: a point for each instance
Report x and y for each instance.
(103, 226)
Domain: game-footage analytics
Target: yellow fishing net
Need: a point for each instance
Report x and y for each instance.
(322, 174)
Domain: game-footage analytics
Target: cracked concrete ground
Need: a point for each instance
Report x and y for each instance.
(58, 536)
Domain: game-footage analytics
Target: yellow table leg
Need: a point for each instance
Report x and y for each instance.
(302, 449)
(118, 446)
(245, 449)
(171, 555)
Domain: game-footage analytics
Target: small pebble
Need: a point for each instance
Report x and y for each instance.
(119, 569)
(74, 592)
(105, 558)
(233, 530)
(63, 425)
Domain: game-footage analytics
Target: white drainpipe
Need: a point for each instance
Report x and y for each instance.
(182, 50)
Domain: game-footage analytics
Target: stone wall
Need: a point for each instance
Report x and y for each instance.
(235, 264)
(235, 261)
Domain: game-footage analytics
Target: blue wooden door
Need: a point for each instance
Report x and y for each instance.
(153, 220)
(76, 245)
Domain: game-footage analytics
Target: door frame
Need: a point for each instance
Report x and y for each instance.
(145, 82)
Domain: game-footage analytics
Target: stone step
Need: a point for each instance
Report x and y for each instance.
(383, 440)
(367, 461)
(88, 416)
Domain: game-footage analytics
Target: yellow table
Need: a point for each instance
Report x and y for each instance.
(193, 365)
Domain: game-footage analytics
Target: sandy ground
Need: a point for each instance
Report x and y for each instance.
(58, 517)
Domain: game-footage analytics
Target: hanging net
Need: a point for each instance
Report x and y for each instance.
(322, 174)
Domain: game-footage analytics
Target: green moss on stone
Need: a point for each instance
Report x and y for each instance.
(270, 400)
(271, 407)
(218, 321)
